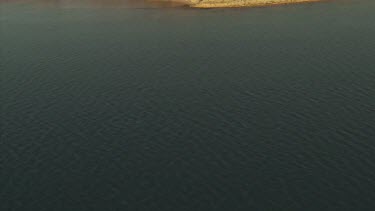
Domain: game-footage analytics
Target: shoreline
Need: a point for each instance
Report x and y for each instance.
(207, 4)
(241, 4)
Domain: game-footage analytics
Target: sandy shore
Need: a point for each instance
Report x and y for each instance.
(234, 3)
(246, 3)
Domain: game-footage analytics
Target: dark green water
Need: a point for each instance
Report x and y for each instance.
(129, 108)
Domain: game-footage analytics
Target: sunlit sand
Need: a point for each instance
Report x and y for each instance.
(231, 3)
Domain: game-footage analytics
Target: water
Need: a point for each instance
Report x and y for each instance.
(118, 107)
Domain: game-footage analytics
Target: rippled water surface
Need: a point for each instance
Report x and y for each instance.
(112, 106)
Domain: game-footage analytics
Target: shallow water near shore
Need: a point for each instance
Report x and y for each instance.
(117, 106)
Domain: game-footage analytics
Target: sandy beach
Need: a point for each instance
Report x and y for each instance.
(232, 3)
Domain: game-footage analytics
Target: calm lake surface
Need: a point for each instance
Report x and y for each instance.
(128, 107)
